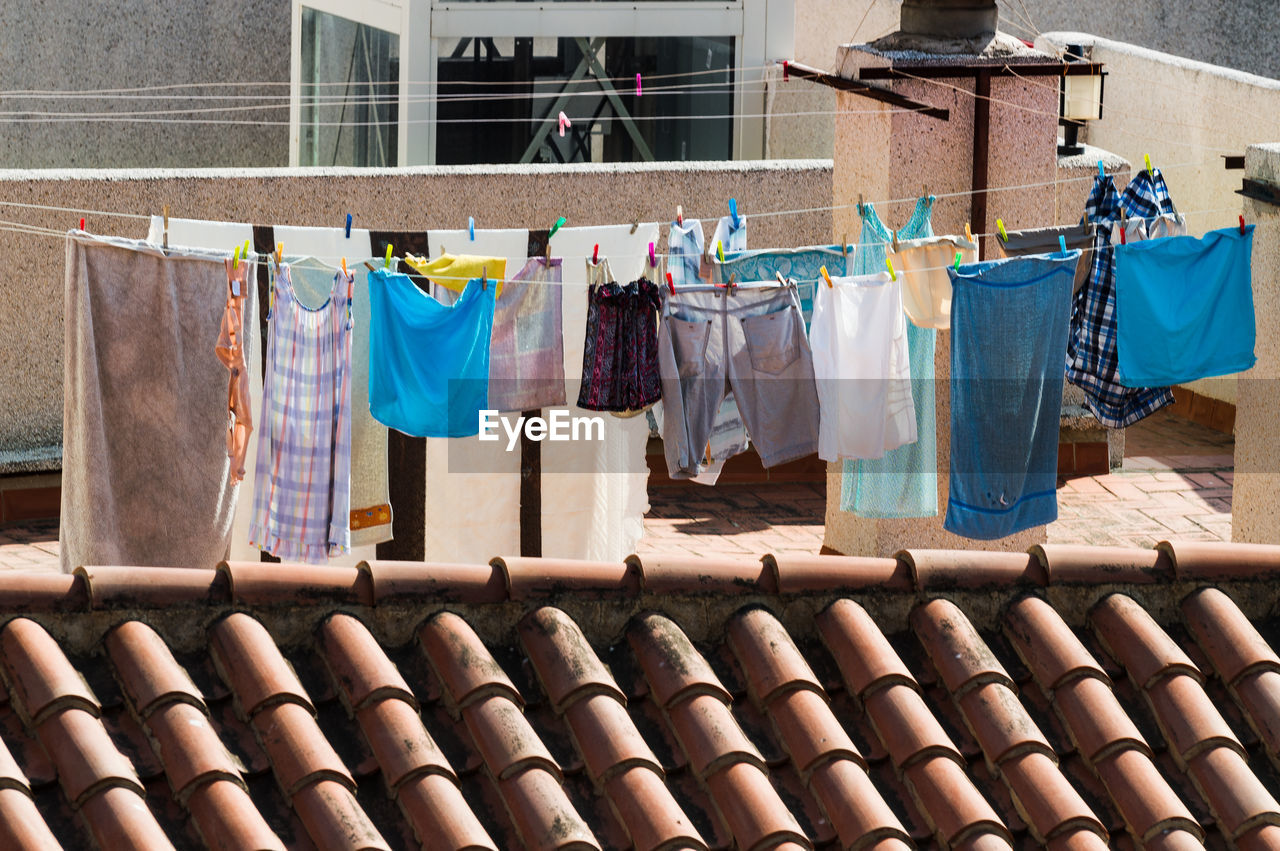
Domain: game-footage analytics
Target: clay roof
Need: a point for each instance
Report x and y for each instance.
(1069, 698)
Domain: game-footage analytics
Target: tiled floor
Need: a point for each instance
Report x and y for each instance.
(1176, 482)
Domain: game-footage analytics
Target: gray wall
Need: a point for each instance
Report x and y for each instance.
(390, 199)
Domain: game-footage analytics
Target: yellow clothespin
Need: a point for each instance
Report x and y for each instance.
(345, 273)
(386, 263)
(892, 274)
(1147, 159)
(1000, 227)
(279, 252)
(826, 276)
(235, 258)
(720, 250)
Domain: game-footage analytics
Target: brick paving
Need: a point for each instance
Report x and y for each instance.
(1176, 483)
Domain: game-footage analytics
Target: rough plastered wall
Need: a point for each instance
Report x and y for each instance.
(889, 157)
(391, 199)
(1255, 497)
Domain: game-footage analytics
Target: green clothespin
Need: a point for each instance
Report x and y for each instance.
(1000, 227)
(892, 274)
(559, 224)
(386, 264)
(957, 261)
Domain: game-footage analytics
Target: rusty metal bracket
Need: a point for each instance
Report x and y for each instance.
(858, 87)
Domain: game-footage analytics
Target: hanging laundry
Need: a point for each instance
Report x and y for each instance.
(1184, 307)
(1078, 237)
(904, 483)
(1006, 392)
(921, 265)
(428, 362)
(302, 496)
(620, 357)
(684, 253)
(860, 361)
(526, 361)
(455, 271)
(798, 264)
(1091, 347)
(753, 339)
(145, 472)
(729, 235)
(230, 350)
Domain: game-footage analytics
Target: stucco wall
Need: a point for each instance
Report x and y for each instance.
(392, 199)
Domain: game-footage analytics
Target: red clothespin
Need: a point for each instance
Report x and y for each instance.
(1123, 240)
(671, 284)
(653, 260)
(679, 215)
(82, 224)
(786, 70)
(1242, 225)
(595, 254)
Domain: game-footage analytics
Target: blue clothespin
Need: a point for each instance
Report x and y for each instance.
(733, 210)
(1102, 172)
(348, 226)
(1062, 243)
(471, 227)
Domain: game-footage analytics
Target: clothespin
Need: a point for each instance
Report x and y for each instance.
(1102, 172)
(671, 284)
(559, 224)
(279, 252)
(653, 260)
(786, 70)
(639, 90)
(968, 234)
(1123, 238)
(245, 253)
(720, 250)
(386, 261)
(679, 215)
(564, 122)
(782, 282)
(892, 274)
(895, 240)
(844, 244)
(957, 266)
(733, 210)
(471, 227)
(1062, 243)
(1242, 225)
(348, 226)
(235, 258)
(826, 276)
(345, 273)
(484, 277)
(166, 227)
(595, 254)
(1147, 159)
(859, 203)
(82, 224)
(1000, 227)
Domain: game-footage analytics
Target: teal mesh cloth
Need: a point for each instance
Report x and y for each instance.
(904, 483)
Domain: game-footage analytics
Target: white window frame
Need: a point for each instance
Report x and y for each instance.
(762, 30)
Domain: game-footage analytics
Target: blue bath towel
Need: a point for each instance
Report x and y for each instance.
(1184, 307)
(1009, 325)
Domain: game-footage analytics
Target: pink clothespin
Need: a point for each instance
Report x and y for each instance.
(564, 122)
(639, 91)
(653, 260)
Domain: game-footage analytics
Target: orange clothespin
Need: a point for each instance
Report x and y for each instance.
(826, 276)
(279, 252)
(968, 234)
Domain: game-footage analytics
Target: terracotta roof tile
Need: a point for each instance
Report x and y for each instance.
(751, 809)
(959, 654)
(1077, 840)
(1145, 801)
(158, 588)
(863, 654)
(86, 759)
(1233, 792)
(358, 664)
(563, 659)
(1096, 720)
(1047, 645)
(954, 806)
(228, 820)
(21, 825)
(1262, 838)
(542, 812)
(400, 743)
(11, 775)
(461, 661)
(1070, 564)
(1001, 725)
(853, 804)
(1220, 561)
(440, 814)
(1046, 800)
(673, 574)
(256, 583)
(1259, 693)
(537, 578)
(1134, 638)
(251, 664)
(190, 748)
(1174, 840)
(938, 570)
(799, 573)
(334, 820)
(710, 736)
(645, 805)
(119, 818)
(810, 732)
(504, 739)
(415, 581)
(672, 667)
(772, 662)
(300, 754)
(1188, 718)
(147, 670)
(31, 593)
(40, 677)
(1231, 642)
(606, 737)
(907, 727)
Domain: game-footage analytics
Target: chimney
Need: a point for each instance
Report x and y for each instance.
(949, 19)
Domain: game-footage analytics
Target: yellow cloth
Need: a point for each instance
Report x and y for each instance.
(454, 270)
